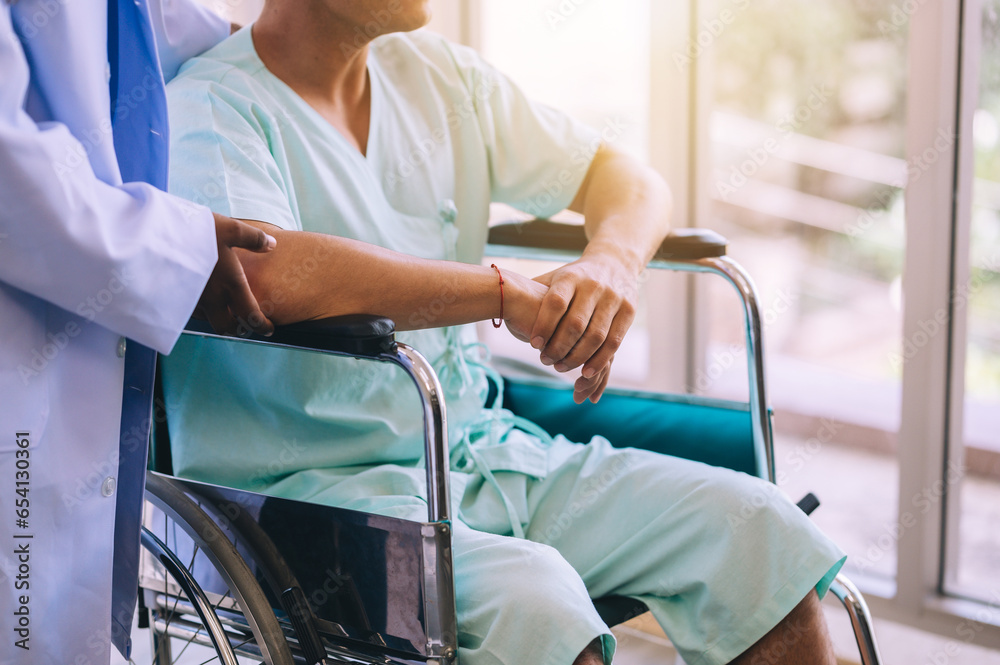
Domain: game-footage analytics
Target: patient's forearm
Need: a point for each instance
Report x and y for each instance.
(312, 276)
(626, 206)
(591, 302)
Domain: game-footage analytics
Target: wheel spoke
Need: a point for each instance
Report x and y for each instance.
(229, 594)
(177, 600)
(235, 647)
(187, 643)
(224, 602)
(166, 578)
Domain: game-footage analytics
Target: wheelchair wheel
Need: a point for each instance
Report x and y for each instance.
(233, 619)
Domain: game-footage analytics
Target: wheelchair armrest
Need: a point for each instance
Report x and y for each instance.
(685, 249)
(355, 334)
(373, 337)
(684, 244)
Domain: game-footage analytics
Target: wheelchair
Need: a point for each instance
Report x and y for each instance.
(263, 579)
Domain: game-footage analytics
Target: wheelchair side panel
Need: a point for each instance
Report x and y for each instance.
(364, 577)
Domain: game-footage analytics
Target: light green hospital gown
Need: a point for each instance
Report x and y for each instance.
(542, 524)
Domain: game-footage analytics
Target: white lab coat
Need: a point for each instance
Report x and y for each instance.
(84, 262)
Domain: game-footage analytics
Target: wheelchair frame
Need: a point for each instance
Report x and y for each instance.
(358, 337)
(689, 250)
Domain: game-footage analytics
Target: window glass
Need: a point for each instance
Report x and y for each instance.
(978, 552)
(806, 135)
(590, 59)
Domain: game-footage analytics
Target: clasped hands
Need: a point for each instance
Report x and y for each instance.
(227, 301)
(576, 316)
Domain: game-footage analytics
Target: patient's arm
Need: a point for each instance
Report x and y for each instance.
(312, 275)
(591, 302)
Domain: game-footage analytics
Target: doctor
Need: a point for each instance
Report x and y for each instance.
(94, 274)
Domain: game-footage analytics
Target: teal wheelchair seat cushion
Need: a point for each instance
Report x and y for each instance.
(711, 431)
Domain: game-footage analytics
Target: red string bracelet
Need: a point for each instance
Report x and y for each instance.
(497, 324)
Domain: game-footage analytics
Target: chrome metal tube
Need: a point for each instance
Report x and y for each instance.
(197, 597)
(741, 281)
(189, 632)
(435, 429)
(861, 618)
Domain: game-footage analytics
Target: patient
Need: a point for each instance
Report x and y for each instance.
(374, 164)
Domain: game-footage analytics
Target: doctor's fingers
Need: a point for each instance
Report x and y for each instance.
(228, 303)
(234, 233)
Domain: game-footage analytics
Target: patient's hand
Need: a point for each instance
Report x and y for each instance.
(592, 388)
(227, 301)
(522, 300)
(584, 316)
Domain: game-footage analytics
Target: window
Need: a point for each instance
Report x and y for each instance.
(974, 564)
(823, 139)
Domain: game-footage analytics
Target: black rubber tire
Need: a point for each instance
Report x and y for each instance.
(166, 494)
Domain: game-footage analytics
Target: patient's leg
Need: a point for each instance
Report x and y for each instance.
(720, 558)
(801, 637)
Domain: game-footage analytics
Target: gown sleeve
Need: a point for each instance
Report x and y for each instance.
(538, 156)
(221, 156)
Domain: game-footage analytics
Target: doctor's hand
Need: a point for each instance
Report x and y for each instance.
(583, 318)
(227, 301)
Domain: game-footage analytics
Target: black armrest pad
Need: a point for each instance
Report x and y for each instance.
(539, 233)
(355, 334)
(690, 243)
(681, 244)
